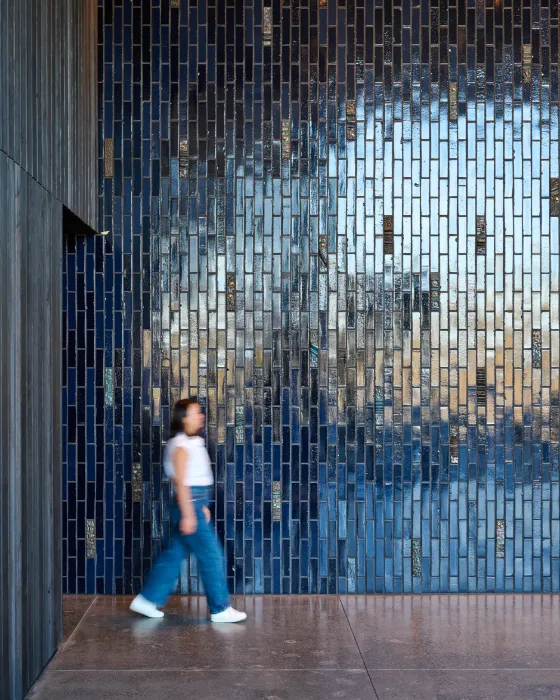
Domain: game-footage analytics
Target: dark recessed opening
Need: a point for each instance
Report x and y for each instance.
(72, 225)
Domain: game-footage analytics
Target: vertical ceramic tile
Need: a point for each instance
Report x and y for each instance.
(337, 224)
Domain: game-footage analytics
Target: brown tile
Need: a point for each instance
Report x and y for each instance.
(203, 685)
(474, 685)
(74, 607)
(281, 633)
(456, 632)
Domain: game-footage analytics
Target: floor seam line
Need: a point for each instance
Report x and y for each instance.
(358, 647)
(315, 669)
(176, 669)
(79, 623)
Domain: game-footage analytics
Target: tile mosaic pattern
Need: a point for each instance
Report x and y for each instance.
(336, 222)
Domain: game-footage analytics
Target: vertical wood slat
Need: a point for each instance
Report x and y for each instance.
(22, 96)
(18, 194)
(9, 97)
(35, 78)
(46, 49)
(27, 445)
(63, 8)
(55, 499)
(3, 427)
(16, 78)
(5, 260)
(3, 75)
(40, 81)
(11, 682)
(52, 51)
(57, 105)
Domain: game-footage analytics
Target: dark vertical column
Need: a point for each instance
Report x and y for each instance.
(47, 159)
(31, 465)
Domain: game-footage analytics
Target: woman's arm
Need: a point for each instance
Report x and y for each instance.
(187, 526)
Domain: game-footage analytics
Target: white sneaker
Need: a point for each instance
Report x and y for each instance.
(143, 607)
(229, 615)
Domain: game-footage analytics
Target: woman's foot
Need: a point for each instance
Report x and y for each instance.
(143, 607)
(229, 615)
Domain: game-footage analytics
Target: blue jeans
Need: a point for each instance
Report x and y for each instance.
(206, 547)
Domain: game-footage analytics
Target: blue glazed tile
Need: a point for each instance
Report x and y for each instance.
(359, 482)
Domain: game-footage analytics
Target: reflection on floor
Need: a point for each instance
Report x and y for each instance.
(292, 647)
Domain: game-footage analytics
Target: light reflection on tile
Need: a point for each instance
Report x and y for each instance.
(344, 240)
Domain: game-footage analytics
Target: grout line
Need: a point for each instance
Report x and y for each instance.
(79, 623)
(358, 647)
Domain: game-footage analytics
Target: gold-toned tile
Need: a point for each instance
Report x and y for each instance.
(527, 61)
(147, 349)
(453, 102)
(388, 232)
(156, 406)
(108, 158)
(230, 291)
(137, 483)
(286, 139)
(480, 235)
(555, 196)
(276, 500)
(91, 544)
(183, 159)
(267, 26)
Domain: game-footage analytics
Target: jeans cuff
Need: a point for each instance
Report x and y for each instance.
(219, 610)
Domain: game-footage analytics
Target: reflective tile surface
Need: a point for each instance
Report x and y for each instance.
(337, 223)
(307, 648)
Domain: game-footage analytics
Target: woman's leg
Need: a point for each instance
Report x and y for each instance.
(206, 547)
(165, 571)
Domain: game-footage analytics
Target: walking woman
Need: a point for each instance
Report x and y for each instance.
(188, 464)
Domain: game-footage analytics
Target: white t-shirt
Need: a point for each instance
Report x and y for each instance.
(199, 470)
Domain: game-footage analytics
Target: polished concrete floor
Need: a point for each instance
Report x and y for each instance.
(389, 648)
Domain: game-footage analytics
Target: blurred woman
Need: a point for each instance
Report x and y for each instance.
(187, 463)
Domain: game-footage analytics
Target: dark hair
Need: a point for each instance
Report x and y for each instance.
(180, 410)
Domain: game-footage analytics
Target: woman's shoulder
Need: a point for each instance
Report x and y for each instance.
(183, 441)
(179, 440)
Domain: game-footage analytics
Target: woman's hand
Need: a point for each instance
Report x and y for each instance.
(207, 514)
(188, 524)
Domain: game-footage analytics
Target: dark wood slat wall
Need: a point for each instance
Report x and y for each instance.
(48, 158)
(30, 381)
(48, 96)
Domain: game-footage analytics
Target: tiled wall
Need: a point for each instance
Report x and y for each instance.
(336, 221)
